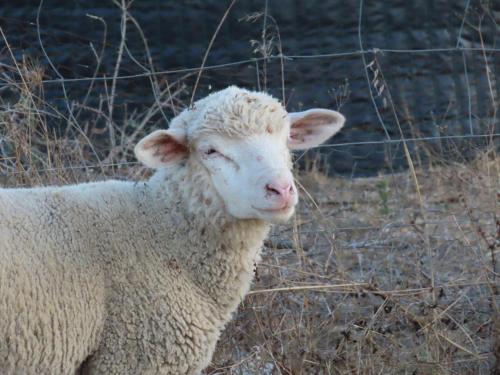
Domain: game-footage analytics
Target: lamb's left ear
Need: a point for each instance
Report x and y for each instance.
(312, 127)
(162, 147)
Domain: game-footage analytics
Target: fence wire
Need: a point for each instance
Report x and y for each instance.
(254, 60)
(361, 52)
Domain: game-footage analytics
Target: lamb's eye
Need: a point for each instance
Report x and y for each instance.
(211, 151)
(213, 154)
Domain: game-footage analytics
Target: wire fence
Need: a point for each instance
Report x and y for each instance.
(389, 139)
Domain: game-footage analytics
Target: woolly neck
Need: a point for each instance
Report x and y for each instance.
(218, 252)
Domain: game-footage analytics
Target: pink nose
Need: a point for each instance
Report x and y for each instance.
(283, 189)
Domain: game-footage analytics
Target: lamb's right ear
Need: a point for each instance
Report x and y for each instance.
(161, 148)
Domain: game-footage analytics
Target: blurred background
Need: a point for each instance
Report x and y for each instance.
(420, 70)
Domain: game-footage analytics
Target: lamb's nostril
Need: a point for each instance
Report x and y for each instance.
(283, 190)
(272, 190)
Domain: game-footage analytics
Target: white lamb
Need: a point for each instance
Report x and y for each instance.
(121, 277)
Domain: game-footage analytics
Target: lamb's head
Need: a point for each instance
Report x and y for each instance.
(240, 141)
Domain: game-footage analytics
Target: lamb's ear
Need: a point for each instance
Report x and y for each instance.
(312, 127)
(161, 148)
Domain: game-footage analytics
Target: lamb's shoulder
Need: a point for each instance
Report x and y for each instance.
(154, 300)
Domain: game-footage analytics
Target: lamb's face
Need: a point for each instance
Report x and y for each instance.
(243, 146)
(252, 175)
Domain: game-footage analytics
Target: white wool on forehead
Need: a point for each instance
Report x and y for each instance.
(233, 112)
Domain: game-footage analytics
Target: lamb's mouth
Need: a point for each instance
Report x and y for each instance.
(274, 210)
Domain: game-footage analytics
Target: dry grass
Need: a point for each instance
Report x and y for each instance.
(396, 274)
